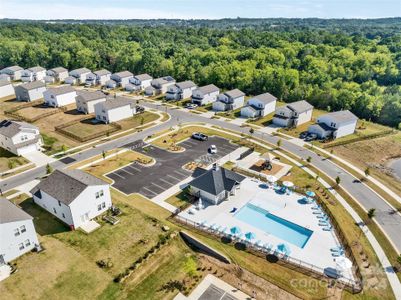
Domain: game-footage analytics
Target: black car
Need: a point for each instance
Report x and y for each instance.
(303, 135)
(311, 137)
(139, 109)
(200, 136)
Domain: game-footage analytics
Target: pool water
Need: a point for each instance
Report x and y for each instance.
(271, 224)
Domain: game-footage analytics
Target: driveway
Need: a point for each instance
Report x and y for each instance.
(39, 158)
(168, 171)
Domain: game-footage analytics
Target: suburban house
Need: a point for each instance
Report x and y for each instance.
(150, 91)
(98, 77)
(334, 125)
(115, 109)
(80, 74)
(111, 84)
(5, 77)
(59, 74)
(205, 94)
(216, 184)
(122, 78)
(259, 106)
(293, 114)
(230, 100)
(17, 232)
(86, 100)
(141, 81)
(160, 85)
(19, 137)
(60, 96)
(30, 91)
(33, 74)
(14, 72)
(180, 90)
(6, 89)
(71, 80)
(49, 79)
(73, 196)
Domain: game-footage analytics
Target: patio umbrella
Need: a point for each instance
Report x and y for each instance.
(235, 230)
(288, 184)
(284, 248)
(310, 194)
(343, 263)
(250, 236)
(271, 178)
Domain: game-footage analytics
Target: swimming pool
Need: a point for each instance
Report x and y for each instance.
(269, 223)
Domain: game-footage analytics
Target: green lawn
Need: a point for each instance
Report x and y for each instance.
(10, 161)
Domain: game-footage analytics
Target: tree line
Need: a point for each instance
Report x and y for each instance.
(332, 69)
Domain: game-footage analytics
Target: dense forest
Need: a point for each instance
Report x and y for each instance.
(334, 64)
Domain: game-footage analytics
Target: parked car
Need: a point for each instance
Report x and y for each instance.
(200, 136)
(303, 135)
(213, 149)
(140, 109)
(191, 106)
(311, 137)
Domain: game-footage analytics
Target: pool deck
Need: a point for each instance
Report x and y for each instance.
(317, 249)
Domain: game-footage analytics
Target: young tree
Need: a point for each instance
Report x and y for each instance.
(371, 213)
(251, 131)
(104, 154)
(338, 180)
(11, 164)
(64, 148)
(367, 171)
(279, 142)
(309, 159)
(49, 169)
(142, 120)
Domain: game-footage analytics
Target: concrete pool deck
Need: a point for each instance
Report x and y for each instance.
(317, 249)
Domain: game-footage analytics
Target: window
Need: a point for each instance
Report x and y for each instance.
(104, 205)
(16, 232)
(97, 195)
(27, 243)
(63, 215)
(59, 203)
(54, 210)
(21, 246)
(101, 193)
(99, 207)
(22, 228)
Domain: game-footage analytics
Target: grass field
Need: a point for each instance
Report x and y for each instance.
(9, 161)
(35, 111)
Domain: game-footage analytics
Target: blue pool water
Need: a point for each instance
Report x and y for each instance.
(269, 223)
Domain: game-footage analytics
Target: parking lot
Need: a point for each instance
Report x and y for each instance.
(168, 171)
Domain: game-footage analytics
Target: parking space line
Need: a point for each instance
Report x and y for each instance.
(160, 187)
(191, 142)
(126, 172)
(168, 182)
(115, 173)
(180, 173)
(133, 168)
(152, 192)
(173, 177)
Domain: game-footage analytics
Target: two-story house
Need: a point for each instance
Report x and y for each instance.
(229, 100)
(205, 94)
(86, 100)
(59, 74)
(122, 78)
(335, 124)
(14, 72)
(141, 81)
(60, 96)
(30, 91)
(73, 196)
(6, 90)
(159, 85)
(259, 106)
(293, 114)
(115, 109)
(33, 74)
(99, 77)
(180, 90)
(80, 75)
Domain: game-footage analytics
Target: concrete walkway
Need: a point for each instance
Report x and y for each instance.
(39, 158)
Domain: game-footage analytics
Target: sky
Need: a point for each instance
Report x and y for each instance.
(197, 9)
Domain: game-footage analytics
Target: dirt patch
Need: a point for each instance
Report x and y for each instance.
(258, 168)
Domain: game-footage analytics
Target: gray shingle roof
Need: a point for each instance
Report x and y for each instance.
(300, 106)
(4, 82)
(216, 181)
(342, 116)
(210, 88)
(265, 98)
(185, 84)
(11, 213)
(102, 72)
(235, 93)
(323, 126)
(59, 70)
(66, 185)
(14, 68)
(10, 128)
(111, 103)
(87, 96)
(124, 74)
(162, 80)
(37, 69)
(81, 71)
(32, 85)
(143, 77)
(61, 90)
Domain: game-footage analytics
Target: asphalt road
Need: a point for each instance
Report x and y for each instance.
(385, 216)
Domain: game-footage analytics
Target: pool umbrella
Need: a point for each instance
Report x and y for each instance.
(284, 248)
(288, 184)
(235, 230)
(343, 263)
(271, 178)
(310, 194)
(250, 236)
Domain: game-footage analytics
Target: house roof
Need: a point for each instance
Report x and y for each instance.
(252, 108)
(235, 93)
(14, 68)
(81, 71)
(143, 77)
(66, 185)
(37, 69)
(11, 213)
(215, 181)
(342, 116)
(265, 98)
(124, 74)
(32, 85)
(163, 80)
(111, 103)
(61, 90)
(4, 82)
(207, 89)
(102, 72)
(10, 128)
(87, 96)
(322, 126)
(59, 70)
(185, 84)
(300, 106)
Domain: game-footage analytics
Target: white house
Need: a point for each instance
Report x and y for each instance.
(30, 91)
(111, 84)
(71, 80)
(73, 196)
(205, 94)
(6, 89)
(115, 109)
(293, 114)
(98, 77)
(80, 74)
(5, 77)
(19, 137)
(230, 100)
(60, 96)
(160, 85)
(14, 72)
(122, 78)
(59, 74)
(33, 74)
(259, 106)
(216, 184)
(141, 81)
(180, 90)
(335, 124)
(86, 100)
(17, 232)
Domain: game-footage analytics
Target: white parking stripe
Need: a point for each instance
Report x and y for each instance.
(152, 192)
(119, 175)
(173, 177)
(191, 142)
(164, 180)
(133, 168)
(159, 186)
(126, 171)
(180, 173)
